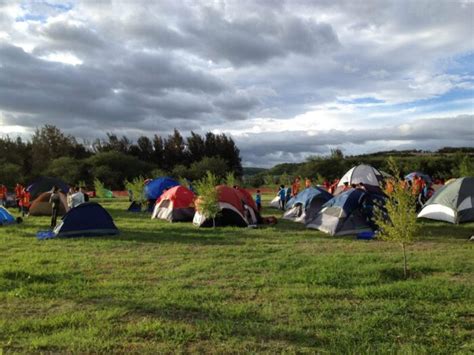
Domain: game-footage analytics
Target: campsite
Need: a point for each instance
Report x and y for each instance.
(237, 177)
(173, 287)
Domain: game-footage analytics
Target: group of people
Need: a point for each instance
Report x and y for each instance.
(286, 194)
(76, 196)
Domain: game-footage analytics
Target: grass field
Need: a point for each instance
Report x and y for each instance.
(161, 287)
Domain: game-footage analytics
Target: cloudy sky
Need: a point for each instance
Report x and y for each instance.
(285, 79)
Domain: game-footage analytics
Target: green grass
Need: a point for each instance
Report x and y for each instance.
(161, 287)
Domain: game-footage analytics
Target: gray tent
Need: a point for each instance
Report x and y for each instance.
(452, 203)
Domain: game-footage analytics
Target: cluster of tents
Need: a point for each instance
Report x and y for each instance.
(350, 211)
(177, 203)
(87, 219)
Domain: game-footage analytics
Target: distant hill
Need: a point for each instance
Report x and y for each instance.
(444, 163)
(250, 171)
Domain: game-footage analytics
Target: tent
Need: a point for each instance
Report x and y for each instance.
(175, 205)
(41, 206)
(343, 214)
(87, 219)
(45, 184)
(155, 188)
(368, 175)
(452, 203)
(412, 175)
(237, 208)
(104, 193)
(306, 204)
(6, 217)
(275, 203)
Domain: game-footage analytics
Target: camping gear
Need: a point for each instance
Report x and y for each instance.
(306, 204)
(175, 205)
(452, 203)
(344, 214)
(45, 184)
(41, 206)
(6, 217)
(366, 235)
(237, 208)
(366, 174)
(87, 219)
(155, 188)
(48, 234)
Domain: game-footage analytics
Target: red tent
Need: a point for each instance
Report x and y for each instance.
(175, 205)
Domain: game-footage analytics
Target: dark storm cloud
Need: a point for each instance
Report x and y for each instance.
(154, 65)
(253, 35)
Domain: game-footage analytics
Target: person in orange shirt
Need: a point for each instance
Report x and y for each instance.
(3, 195)
(25, 202)
(389, 186)
(295, 187)
(307, 183)
(18, 193)
(417, 186)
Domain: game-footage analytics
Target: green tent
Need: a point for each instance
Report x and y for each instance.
(452, 203)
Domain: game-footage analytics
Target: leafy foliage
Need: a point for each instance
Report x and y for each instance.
(100, 190)
(136, 186)
(401, 225)
(208, 196)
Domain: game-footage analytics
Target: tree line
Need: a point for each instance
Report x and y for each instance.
(51, 152)
(444, 164)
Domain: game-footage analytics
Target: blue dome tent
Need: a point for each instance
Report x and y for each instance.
(346, 213)
(306, 204)
(87, 219)
(155, 188)
(6, 217)
(45, 184)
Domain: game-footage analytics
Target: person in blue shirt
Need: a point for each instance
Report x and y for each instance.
(258, 200)
(282, 195)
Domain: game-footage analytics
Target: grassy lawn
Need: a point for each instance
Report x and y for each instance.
(161, 287)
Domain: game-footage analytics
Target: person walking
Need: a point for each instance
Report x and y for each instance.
(55, 201)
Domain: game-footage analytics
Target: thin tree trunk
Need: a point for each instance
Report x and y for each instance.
(213, 223)
(405, 268)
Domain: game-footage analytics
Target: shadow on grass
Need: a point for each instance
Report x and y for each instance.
(247, 323)
(218, 237)
(440, 231)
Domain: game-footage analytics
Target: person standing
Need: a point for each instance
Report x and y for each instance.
(3, 195)
(295, 187)
(55, 201)
(18, 193)
(84, 192)
(282, 195)
(77, 198)
(25, 202)
(308, 183)
(69, 197)
(258, 200)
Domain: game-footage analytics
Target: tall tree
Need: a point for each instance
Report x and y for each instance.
(196, 147)
(174, 150)
(49, 143)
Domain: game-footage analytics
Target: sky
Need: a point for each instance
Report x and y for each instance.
(286, 79)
